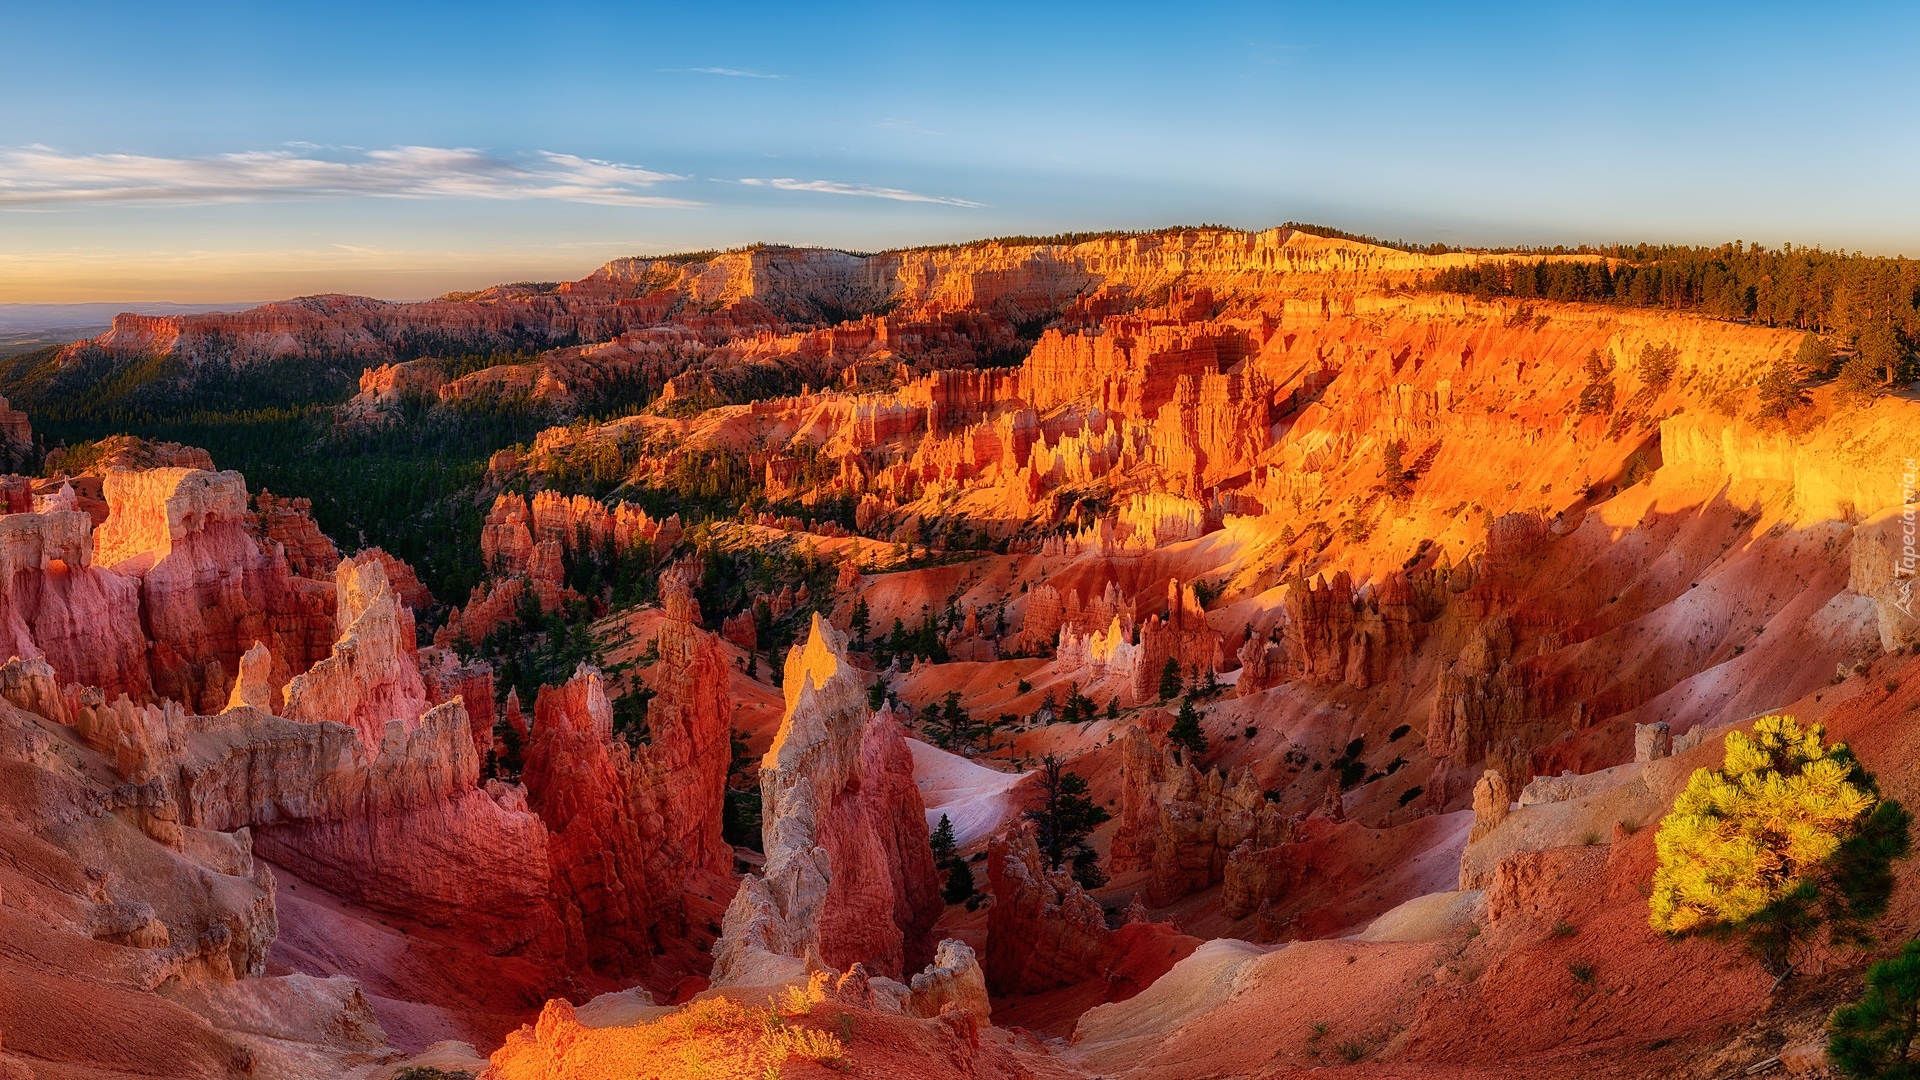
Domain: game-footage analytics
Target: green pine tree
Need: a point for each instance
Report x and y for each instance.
(1170, 684)
(942, 840)
(956, 724)
(1079, 707)
(1597, 395)
(858, 622)
(1813, 357)
(1393, 470)
(959, 885)
(1859, 377)
(1880, 350)
(1186, 732)
(1780, 393)
(1873, 1037)
(1656, 365)
(1063, 814)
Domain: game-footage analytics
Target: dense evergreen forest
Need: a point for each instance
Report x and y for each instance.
(410, 487)
(1851, 299)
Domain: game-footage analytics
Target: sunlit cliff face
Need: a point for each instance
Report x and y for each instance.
(1377, 621)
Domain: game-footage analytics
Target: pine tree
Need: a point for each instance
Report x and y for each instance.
(1859, 376)
(860, 618)
(951, 727)
(959, 885)
(1186, 731)
(1880, 349)
(942, 840)
(1393, 471)
(1597, 395)
(1170, 679)
(1656, 365)
(1787, 834)
(1813, 357)
(1779, 393)
(1086, 868)
(877, 694)
(1874, 1036)
(1078, 708)
(1063, 814)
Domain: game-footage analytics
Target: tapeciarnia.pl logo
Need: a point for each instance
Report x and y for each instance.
(1903, 568)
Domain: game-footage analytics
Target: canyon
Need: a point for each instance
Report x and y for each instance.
(1373, 626)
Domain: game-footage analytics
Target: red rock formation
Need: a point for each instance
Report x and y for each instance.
(130, 452)
(372, 677)
(578, 521)
(490, 606)
(1180, 823)
(446, 677)
(849, 876)
(690, 721)
(1483, 697)
(253, 683)
(369, 792)
(55, 602)
(1048, 613)
(631, 827)
(1144, 764)
(385, 392)
(1043, 930)
(403, 828)
(16, 435)
(741, 631)
(100, 914)
(606, 867)
(406, 584)
(411, 831)
(289, 523)
(1262, 666)
(506, 540)
(1182, 636)
(1336, 632)
(723, 1037)
(207, 590)
(524, 548)
(1492, 802)
(1319, 621)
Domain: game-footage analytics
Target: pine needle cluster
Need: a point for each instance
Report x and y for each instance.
(1874, 1037)
(1789, 833)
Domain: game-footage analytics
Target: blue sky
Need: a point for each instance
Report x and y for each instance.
(229, 152)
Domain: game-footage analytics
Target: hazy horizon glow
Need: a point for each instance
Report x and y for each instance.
(227, 151)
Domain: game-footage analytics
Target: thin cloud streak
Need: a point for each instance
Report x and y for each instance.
(40, 176)
(731, 73)
(835, 187)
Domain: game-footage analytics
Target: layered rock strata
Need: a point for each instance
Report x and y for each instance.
(849, 876)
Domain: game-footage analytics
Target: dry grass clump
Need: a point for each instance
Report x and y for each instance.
(800, 1000)
(713, 1039)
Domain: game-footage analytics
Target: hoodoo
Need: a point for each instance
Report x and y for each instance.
(1185, 653)
(849, 876)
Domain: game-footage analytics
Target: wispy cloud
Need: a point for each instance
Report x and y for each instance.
(42, 176)
(731, 73)
(835, 187)
(895, 123)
